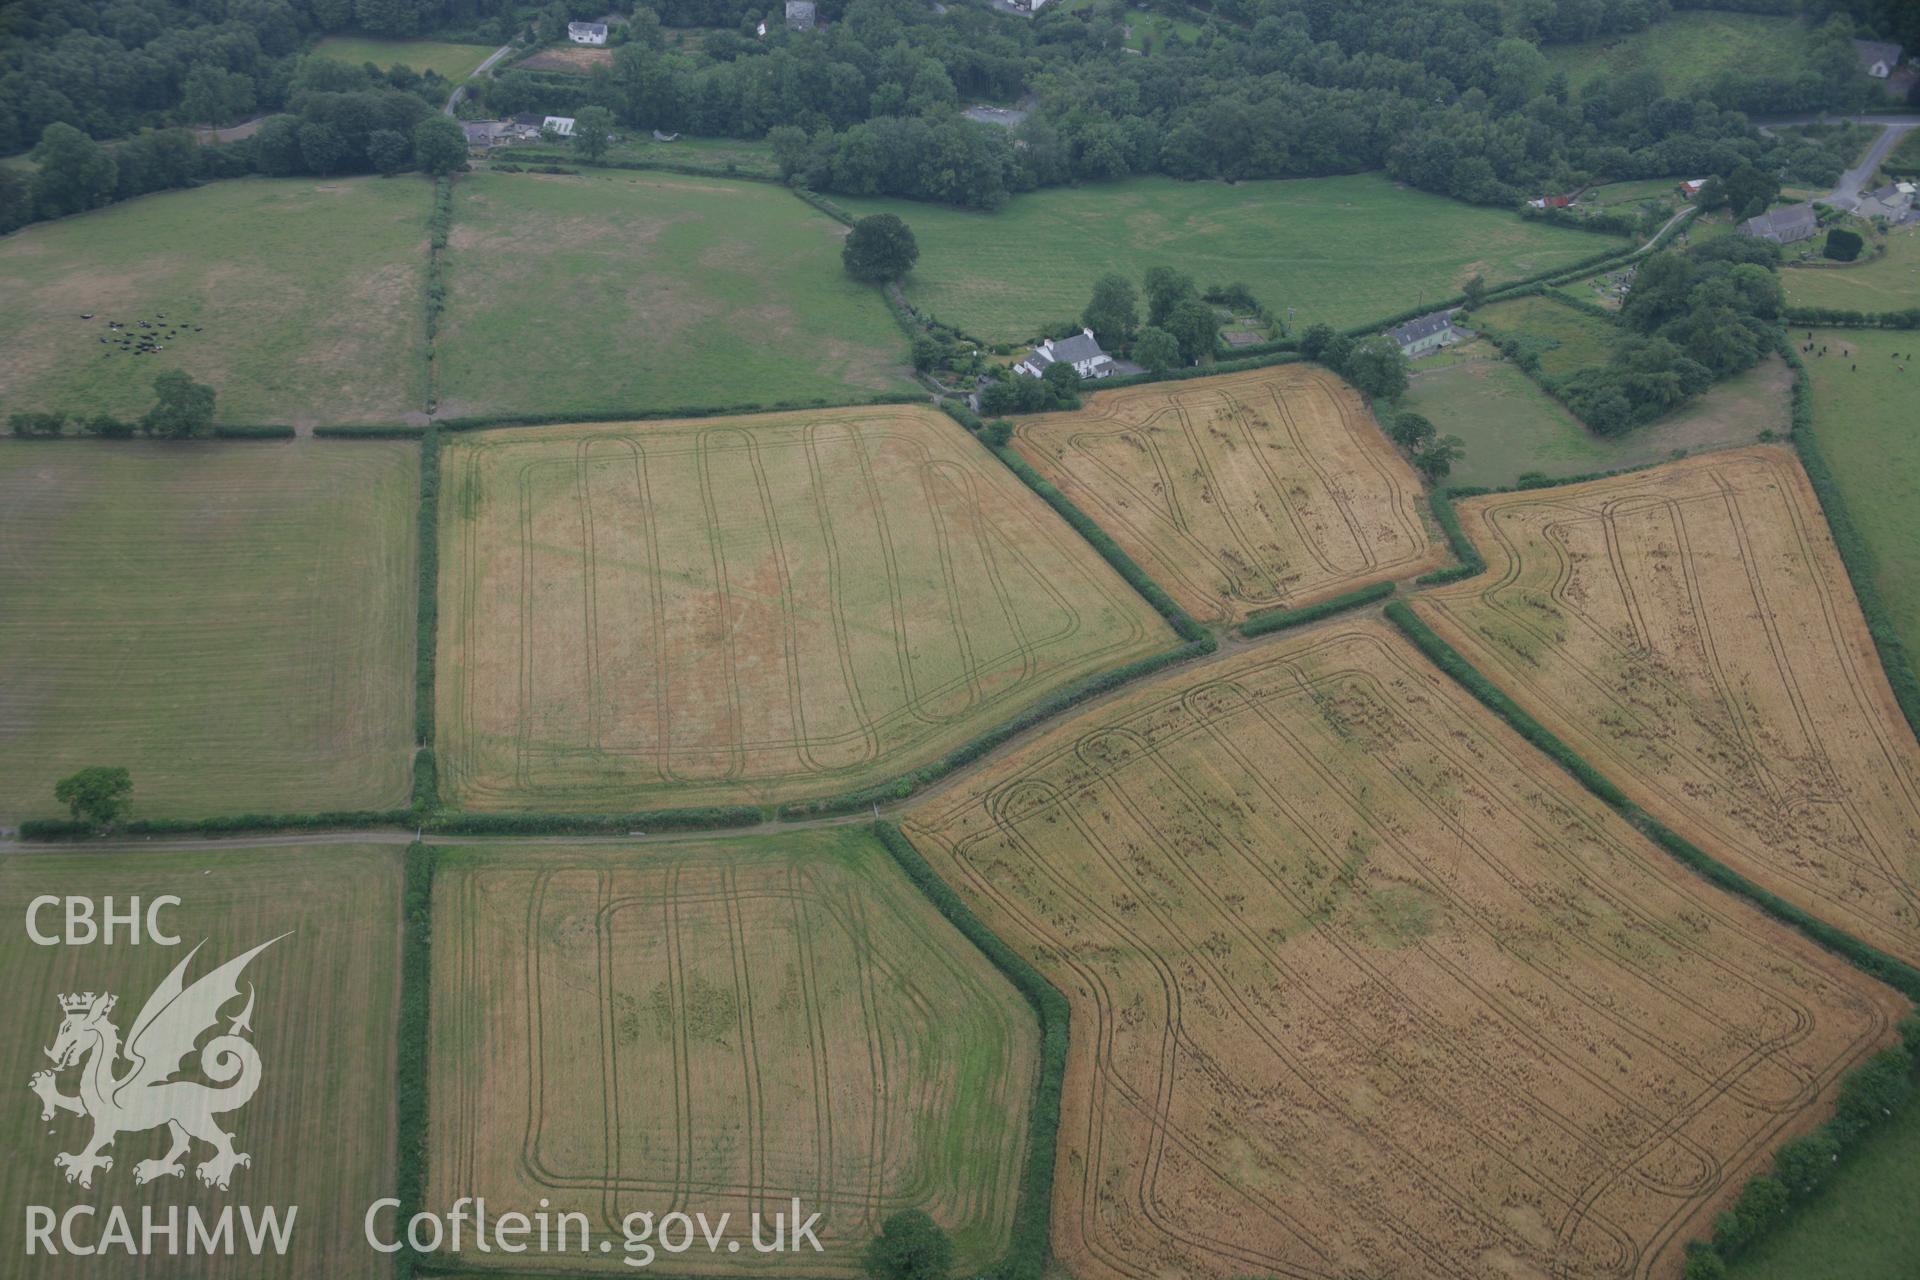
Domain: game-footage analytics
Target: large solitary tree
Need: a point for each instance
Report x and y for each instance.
(880, 247)
(97, 795)
(910, 1246)
(182, 408)
(439, 145)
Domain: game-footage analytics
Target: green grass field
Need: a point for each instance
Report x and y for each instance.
(1568, 338)
(231, 622)
(1865, 1225)
(640, 291)
(1689, 49)
(720, 1025)
(1340, 250)
(319, 1132)
(1615, 195)
(454, 61)
(722, 156)
(1890, 282)
(307, 296)
(1867, 431)
(1511, 427)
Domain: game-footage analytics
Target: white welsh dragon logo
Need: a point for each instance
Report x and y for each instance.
(145, 1096)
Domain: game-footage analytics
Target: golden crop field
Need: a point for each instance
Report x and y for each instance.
(722, 1026)
(1362, 985)
(1254, 490)
(1690, 630)
(319, 1130)
(748, 609)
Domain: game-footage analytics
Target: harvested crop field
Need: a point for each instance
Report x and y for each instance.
(231, 622)
(1363, 986)
(1243, 492)
(1690, 630)
(319, 1131)
(748, 609)
(721, 1026)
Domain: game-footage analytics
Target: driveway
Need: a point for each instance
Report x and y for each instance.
(460, 90)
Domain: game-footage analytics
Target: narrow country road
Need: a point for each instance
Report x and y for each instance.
(460, 90)
(1846, 192)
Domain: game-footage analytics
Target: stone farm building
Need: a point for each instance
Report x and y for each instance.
(1783, 225)
(1425, 333)
(587, 32)
(1082, 351)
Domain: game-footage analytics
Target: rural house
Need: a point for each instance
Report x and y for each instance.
(801, 15)
(487, 133)
(561, 126)
(1082, 351)
(587, 32)
(1550, 202)
(1894, 202)
(1425, 333)
(1784, 225)
(1692, 187)
(1878, 58)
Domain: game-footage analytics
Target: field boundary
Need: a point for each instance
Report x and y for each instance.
(1855, 556)
(57, 829)
(412, 1044)
(1271, 620)
(426, 597)
(1033, 1208)
(1840, 318)
(1870, 960)
(498, 421)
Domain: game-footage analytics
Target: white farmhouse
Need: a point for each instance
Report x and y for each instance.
(562, 126)
(1425, 333)
(587, 32)
(1082, 351)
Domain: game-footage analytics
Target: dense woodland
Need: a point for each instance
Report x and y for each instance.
(1451, 96)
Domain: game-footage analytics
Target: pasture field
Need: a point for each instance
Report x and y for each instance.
(1864, 1225)
(1244, 492)
(1511, 427)
(1864, 422)
(233, 623)
(620, 290)
(307, 296)
(723, 1025)
(454, 61)
(320, 1129)
(1690, 631)
(1363, 985)
(1568, 339)
(1890, 282)
(1342, 250)
(723, 157)
(748, 609)
(1689, 50)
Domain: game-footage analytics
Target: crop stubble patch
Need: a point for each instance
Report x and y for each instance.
(1362, 986)
(723, 1026)
(1251, 491)
(1691, 631)
(749, 608)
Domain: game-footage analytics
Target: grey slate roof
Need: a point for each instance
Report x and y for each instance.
(1077, 348)
(1872, 51)
(800, 14)
(1421, 327)
(587, 29)
(1784, 225)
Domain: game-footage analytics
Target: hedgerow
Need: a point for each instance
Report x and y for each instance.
(903, 785)
(263, 431)
(648, 821)
(231, 824)
(1110, 551)
(410, 1083)
(1280, 619)
(427, 592)
(1027, 1255)
(1468, 555)
(369, 431)
(426, 781)
(1840, 318)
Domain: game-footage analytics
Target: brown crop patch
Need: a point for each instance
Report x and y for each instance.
(1692, 632)
(749, 609)
(1254, 490)
(1362, 985)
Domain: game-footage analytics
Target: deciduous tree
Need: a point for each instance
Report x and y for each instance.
(97, 794)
